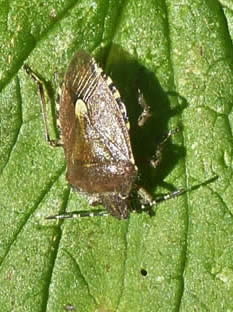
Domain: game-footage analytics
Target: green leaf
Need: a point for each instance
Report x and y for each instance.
(180, 55)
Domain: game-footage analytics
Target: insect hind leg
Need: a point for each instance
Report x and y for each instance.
(157, 157)
(42, 92)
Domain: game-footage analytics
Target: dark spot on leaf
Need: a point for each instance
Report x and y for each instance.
(143, 272)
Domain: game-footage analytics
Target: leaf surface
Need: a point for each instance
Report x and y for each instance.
(180, 56)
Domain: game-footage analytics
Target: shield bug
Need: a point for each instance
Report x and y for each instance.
(94, 127)
(95, 138)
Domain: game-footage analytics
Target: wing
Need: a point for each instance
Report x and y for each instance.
(93, 120)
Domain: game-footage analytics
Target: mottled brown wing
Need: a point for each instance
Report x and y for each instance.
(95, 135)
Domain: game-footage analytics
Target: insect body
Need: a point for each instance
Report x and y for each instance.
(95, 135)
(95, 138)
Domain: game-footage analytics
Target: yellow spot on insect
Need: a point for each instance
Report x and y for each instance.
(80, 108)
(109, 81)
(116, 94)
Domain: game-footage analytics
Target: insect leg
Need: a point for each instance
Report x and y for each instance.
(146, 114)
(42, 92)
(156, 159)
